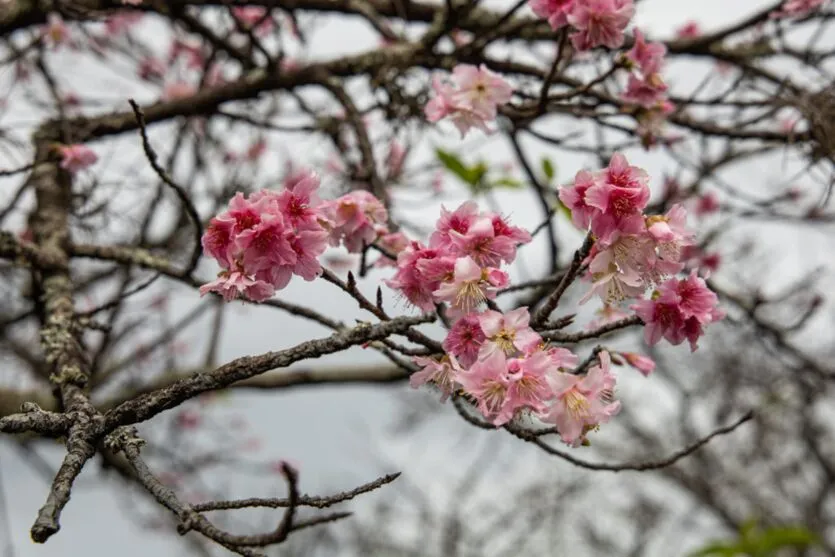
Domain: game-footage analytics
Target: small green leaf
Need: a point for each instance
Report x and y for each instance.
(782, 537)
(509, 183)
(452, 163)
(561, 207)
(718, 549)
(548, 168)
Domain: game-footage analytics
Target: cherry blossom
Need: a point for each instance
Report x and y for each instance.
(443, 374)
(465, 339)
(582, 402)
(797, 8)
(600, 22)
(355, 219)
(619, 194)
(554, 11)
(471, 285)
(508, 332)
(480, 89)
(488, 382)
(75, 158)
(642, 363)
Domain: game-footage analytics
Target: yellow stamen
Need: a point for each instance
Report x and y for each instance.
(576, 403)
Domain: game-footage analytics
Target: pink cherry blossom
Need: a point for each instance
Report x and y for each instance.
(393, 243)
(266, 244)
(670, 233)
(471, 285)
(308, 246)
(458, 221)
(690, 30)
(480, 89)
(647, 93)
(706, 204)
(607, 314)
(642, 363)
(481, 243)
(217, 240)
(695, 298)
(678, 311)
(443, 374)
(574, 197)
(471, 101)
(651, 123)
(529, 387)
(647, 56)
(235, 284)
(612, 282)
(445, 105)
(582, 402)
(797, 8)
(620, 194)
(77, 157)
(465, 339)
(299, 203)
(488, 382)
(600, 22)
(508, 332)
(356, 219)
(554, 11)
(662, 319)
(410, 280)
(503, 229)
(562, 359)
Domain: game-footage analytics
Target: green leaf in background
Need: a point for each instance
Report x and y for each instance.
(474, 176)
(778, 538)
(754, 541)
(452, 163)
(718, 549)
(508, 183)
(561, 207)
(548, 168)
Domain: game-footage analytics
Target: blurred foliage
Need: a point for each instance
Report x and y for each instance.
(476, 176)
(754, 541)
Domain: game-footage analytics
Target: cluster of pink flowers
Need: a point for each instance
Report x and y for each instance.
(678, 310)
(471, 100)
(632, 251)
(262, 240)
(504, 365)
(596, 22)
(646, 88)
(494, 358)
(798, 8)
(461, 264)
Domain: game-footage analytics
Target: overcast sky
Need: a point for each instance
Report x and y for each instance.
(337, 437)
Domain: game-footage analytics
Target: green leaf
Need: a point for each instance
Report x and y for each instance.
(509, 183)
(718, 549)
(452, 163)
(782, 537)
(561, 207)
(548, 168)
